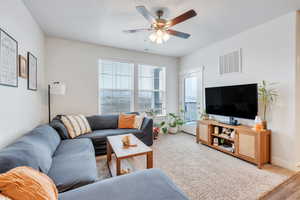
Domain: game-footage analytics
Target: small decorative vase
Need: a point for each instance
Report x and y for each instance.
(126, 141)
(264, 124)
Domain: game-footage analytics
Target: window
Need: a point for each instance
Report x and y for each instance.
(116, 87)
(126, 87)
(151, 94)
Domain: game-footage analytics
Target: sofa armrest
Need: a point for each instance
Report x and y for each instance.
(147, 124)
(147, 128)
(145, 184)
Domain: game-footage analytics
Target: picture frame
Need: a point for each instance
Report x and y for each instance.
(8, 60)
(31, 72)
(23, 72)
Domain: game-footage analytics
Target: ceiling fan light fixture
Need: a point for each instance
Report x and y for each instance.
(159, 33)
(166, 37)
(159, 36)
(161, 27)
(153, 37)
(159, 40)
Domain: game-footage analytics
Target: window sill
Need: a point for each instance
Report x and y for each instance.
(161, 116)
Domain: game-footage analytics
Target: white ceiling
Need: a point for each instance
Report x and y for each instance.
(102, 21)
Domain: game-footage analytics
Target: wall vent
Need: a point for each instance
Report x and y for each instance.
(231, 62)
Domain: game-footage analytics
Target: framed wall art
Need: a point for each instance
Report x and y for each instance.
(32, 71)
(8, 60)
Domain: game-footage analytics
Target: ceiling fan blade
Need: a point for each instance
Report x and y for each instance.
(178, 34)
(143, 10)
(181, 18)
(137, 30)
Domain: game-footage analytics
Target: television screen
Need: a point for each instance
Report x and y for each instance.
(232, 101)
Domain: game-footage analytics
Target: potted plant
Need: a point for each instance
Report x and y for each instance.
(175, 122)
(156, 126)
(204, 115)
(151, 113)
(267, 95)
(163, 127)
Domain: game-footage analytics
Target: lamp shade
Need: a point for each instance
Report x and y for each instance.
(58, 88)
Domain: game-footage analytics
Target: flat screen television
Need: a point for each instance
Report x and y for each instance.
(232, 101)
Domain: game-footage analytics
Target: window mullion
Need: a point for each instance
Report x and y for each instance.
(134, 105)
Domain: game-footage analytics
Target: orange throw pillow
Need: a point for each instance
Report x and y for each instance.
(25, 183)
(126, 121)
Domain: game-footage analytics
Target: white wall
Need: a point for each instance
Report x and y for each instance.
(76, 64)
(21, 109)
(268, 54)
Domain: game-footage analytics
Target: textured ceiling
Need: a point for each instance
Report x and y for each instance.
(102, 21)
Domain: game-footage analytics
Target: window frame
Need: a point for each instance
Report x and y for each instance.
(135, 84)
(114, 89)
(164, 91)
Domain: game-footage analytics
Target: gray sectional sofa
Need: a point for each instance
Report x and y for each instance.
(149, 184)
(106, 125)
(71, 164)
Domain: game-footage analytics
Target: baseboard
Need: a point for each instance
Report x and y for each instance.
(284, 163)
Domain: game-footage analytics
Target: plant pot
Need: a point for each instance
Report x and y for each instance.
(205, 117)
(264, 124)
(173, 130)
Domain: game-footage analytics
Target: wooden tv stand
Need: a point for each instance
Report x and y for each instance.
(250, 145)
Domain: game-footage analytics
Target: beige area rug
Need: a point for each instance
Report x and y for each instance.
(204, 173)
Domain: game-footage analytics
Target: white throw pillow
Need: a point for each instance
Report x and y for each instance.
(2, 197)
(139, 121)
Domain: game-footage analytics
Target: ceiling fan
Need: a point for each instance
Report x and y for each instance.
(161, 27)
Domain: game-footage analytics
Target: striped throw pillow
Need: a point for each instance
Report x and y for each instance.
(76, 125)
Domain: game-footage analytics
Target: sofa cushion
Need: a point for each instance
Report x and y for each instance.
(74, 147)
(98, 122)
(35, 150)
(100, 135)
(44, 136)
(60, 128)
(147, 185)
(16, 155)
(44, 140)
(73, 164)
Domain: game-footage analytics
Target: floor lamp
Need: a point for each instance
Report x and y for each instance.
(55, 88)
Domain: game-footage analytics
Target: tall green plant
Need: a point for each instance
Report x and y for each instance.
(163, 127)
(267, 95)
(151, 113)
(175, 120)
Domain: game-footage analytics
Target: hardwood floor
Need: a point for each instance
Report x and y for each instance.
(288, 190)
